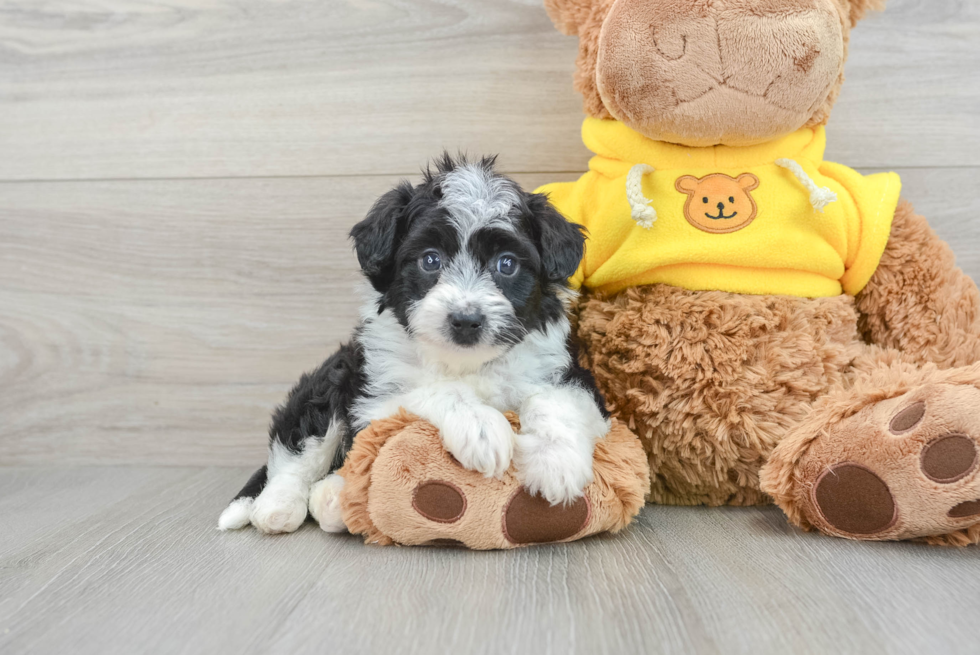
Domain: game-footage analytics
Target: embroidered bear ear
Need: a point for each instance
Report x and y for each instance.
(687, 184)
(748, 181)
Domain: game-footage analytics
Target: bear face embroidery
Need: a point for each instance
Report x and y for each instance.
(718, 203)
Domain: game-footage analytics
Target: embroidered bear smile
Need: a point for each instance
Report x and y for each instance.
(721, 215)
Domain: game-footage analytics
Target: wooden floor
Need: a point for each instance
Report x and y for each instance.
(177, 179)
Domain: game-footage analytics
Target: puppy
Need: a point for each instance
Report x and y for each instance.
(466, 319)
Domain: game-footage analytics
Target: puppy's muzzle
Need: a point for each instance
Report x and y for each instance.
(465, 327)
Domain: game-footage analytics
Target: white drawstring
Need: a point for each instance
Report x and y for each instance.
(820, 196)
(640, 208)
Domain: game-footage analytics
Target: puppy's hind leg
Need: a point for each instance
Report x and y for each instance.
(306, 437)
(282, 505)
(239, 511)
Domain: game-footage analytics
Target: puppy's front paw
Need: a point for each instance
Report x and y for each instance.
(555, 467)
(482, 440)
(279, 509)
(325, 503)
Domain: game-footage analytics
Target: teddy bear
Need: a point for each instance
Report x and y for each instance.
(774, 327)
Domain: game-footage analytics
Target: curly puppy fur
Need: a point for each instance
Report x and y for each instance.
(712, 381)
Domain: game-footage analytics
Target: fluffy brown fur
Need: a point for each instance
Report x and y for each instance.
(918, 301)
(712, 381)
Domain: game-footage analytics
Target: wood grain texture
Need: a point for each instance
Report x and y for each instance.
(207, 88)
(160, 322)
(127, 560)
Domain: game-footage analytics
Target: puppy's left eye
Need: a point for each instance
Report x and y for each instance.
(430, 261)
(507, 265)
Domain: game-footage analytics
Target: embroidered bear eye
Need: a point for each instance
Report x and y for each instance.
(507, 265)
(731, 200)
(430, 261)
(705, 199)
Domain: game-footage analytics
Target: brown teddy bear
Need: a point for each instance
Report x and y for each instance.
(772, 325)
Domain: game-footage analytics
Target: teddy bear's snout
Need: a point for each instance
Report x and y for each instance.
(685, 76)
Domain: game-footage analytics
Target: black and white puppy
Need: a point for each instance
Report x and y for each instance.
(466, 320)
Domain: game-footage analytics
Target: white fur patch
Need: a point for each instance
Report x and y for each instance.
(559, 428)
(236, 515)
(281, 507)
(475, 198)
(325, 503)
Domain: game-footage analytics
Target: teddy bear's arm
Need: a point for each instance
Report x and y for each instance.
(918, 301)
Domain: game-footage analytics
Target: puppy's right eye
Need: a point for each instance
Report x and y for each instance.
(430, 262)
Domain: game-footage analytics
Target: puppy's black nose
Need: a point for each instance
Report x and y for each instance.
(466, 327)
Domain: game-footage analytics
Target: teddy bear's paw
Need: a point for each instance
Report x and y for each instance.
(481, 440)
(557, 469)
(279, 509)
(325, 503)
(905, 467)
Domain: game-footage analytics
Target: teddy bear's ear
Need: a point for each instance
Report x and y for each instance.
(861, 7)
(686, 184)
(748, 181)
(568, 15)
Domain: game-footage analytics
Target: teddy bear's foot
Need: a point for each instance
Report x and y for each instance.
(900, 467)
(401, 486)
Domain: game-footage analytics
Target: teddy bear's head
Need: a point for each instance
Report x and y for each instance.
(710, 72)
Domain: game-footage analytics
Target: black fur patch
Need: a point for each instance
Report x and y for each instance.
(319, 398)
(583, 377)
(254, 486)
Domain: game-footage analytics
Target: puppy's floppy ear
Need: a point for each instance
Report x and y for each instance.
(560, 242)
(568, 15)
(376, 237)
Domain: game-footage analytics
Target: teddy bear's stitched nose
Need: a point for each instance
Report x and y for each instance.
(721, 206)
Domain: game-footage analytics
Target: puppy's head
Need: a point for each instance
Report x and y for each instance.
(467, 261)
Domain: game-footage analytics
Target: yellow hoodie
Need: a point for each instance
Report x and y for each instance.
(767, 219)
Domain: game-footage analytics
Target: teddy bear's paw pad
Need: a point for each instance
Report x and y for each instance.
(965, 510)
(533, 520)
(908, 418)
(949, 458)
(855, 500)
(439, 501)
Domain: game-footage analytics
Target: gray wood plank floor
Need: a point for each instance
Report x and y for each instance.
(127, 560)
(176, 182)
